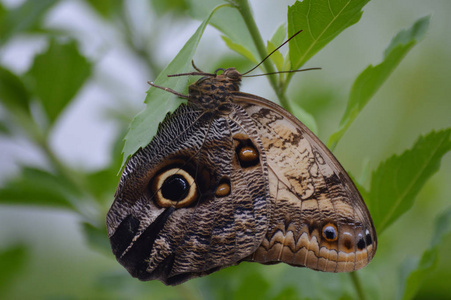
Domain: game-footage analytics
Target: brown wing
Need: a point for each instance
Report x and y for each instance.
(186, 204)
(318, 218)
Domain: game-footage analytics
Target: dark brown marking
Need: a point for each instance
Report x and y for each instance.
(347, 243)
(368, 238)
(361, 243)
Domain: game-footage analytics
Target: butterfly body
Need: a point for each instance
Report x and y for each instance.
(233, 177)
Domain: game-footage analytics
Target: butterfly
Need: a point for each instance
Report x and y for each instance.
(232, 177)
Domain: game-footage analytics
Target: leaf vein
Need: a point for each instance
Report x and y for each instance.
(315, 40)
(410, 186)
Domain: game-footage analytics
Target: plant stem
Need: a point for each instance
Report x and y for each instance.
(136, 44)
(83, 202)
(357, 285)
(245, 11)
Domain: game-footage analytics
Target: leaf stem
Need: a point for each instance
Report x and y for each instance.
(245, 11)
(136, 43)
(82, 202)
(357, 285)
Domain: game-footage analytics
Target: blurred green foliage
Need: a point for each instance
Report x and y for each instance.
(400, 179)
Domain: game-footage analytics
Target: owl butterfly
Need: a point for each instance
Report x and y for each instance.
(232, 177)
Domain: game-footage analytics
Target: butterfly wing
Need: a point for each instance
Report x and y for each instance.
(187, 204)
(318, 218)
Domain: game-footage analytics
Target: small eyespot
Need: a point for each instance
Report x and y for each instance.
(361, 243)
(174, 187)
(246, 151)
(368, 238)
(330, 232)
(223, 188)
(347, 243)
(248, 154)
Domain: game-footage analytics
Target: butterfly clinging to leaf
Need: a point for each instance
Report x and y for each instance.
(232, 177)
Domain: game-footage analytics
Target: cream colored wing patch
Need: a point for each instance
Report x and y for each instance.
(318, 218)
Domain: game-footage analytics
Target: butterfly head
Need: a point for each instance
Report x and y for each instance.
(228, 80)
(213, 92)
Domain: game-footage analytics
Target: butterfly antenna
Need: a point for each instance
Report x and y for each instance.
(267, 56)
(199, 72)
(279, 72)
(168, 90)
(195, 67)
(192, 73)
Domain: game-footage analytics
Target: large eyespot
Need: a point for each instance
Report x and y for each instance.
(174, 187)
(330, 232)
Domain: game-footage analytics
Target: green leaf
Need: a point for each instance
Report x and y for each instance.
(158, 102)
(169, 6)
(288, 293)
(238, 62)
(321, 21)
(106, 8)
(372, 78)
(413, 274)
(57, 75)
(253, 286)
(23, 18)
(276, 57)
(238, 48)
(363, 192)
(229, 21)
(102, 183)
(279, 35)
(12, 261)
(97, 237)
(13, 93)
(3, 12)
(303, 115)
(442, 227)
(4, 129)
(277, 39)
(40, 188)
(397, 181)
(414, 33)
